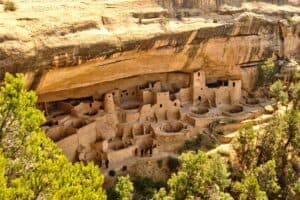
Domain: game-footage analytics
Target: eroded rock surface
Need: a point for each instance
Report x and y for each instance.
(72, 49)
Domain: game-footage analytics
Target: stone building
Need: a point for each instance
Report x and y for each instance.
(142, 120)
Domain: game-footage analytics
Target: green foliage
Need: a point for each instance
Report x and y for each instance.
(112, 172)
(18, 115)
(9, 6)
(33, 165)
(202, 141)
(146, 187)
(280, 137)
(295, 190)
(162, 195)
(267, 166)
(192, 144)
(295, 94)
(4, 191)
(272, 140)
(296, 76)
(197, 174)
(124, 187)
(267, 178)
(277, 92)
(215, 193)
(266, 73)
(245, 147)
(159, 163)
(249, 189)
(173, 163)
(112, 194)
(266, 155)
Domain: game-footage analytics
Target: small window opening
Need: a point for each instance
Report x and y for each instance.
(225, 83)
(161, 105)
(217, 84)
(124, 168)
(199, 98)
(233, 84)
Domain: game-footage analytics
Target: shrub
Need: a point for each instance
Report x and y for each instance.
(112, 194)
(193, 144)
(173, 164)
(124, 187)
(112, 173)
(145, 187)
(124, 168)
(36, 167)
(266, 73)
(9, 6)
(159, 163)
(211, 145)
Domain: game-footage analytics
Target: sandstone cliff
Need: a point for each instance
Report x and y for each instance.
(69, 48)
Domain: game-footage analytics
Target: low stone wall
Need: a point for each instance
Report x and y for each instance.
(199, 122)
(245, 114)
(118, 155)
(69, 147)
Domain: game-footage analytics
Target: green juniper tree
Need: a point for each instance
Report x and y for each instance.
(245, 146)
(31, 165)
(124, 188)
(249, 189)
(199, 176)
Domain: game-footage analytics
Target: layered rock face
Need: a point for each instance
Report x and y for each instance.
(74, 49)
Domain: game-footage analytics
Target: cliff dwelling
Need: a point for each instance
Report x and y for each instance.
(150, 99)
(123, 82)
(147, 119)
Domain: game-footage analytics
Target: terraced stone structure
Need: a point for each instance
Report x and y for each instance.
(125, 80)
(144, 120)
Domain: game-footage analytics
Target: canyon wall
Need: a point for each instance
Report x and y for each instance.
(206, 6)
(84, 48)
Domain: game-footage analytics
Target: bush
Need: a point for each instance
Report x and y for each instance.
(112, 173)
(266, 73)
(202, 141)
(173, 164)
(159, 163)
(193, 144)
(9, 6)
(211, 145)
(145, 187)
(112, 194)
